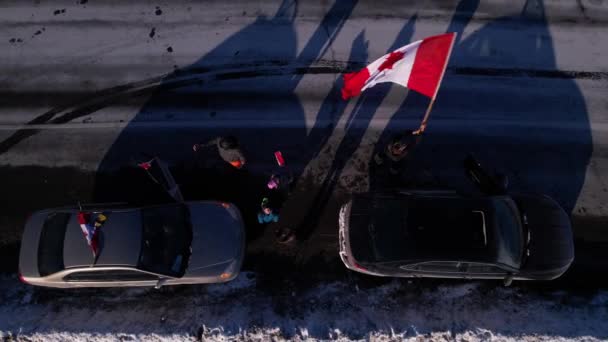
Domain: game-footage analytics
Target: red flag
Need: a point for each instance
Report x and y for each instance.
(418, 66)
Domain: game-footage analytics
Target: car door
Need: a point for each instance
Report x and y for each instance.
(390, 269)
(438, 269)
(108, 277)
(159, 172)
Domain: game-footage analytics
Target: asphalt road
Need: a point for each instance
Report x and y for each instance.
(89, 88)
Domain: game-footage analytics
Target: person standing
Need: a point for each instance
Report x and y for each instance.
(228, 148)
(267, 215)
(397, 150)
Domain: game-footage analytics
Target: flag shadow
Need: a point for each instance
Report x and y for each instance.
(354, 132)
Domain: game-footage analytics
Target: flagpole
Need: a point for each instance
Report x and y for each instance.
(427, 114)
(428, 110)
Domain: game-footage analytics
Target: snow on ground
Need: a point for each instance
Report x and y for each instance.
(244, 310)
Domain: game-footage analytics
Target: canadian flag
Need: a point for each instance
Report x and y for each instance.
(418, 66)
(90, 231)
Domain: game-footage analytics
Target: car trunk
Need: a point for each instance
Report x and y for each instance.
(217, 238)
(551, 241)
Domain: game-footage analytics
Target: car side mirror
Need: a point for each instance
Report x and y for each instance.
(160, 283)
(487, 183)
(508, 280)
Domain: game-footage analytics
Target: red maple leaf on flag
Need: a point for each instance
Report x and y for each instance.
(393, 58)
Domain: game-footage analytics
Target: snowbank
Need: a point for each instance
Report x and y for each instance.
(242, 310)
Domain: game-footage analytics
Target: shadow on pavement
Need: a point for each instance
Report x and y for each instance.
(262, 111)
(536, 158)
(365, 108)
(535, 130)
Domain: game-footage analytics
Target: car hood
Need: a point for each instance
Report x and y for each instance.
(217, 237)
(551, 241)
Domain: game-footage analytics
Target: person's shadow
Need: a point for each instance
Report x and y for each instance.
(255, 101)
(355, 128)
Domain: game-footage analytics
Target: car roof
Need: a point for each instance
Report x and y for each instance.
(418, 228)
(430, 223)
(120, 241)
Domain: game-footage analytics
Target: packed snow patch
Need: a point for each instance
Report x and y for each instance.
(398, 310)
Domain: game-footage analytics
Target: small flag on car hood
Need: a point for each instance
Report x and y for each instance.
(90, 229)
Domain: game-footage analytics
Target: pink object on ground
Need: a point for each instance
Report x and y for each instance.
(273, 183)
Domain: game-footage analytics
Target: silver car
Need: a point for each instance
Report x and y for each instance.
(181, 243)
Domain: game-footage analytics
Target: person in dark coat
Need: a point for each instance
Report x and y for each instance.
(398, 149)
(228, 148)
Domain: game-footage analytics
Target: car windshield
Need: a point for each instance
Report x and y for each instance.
(385, 229)
(510, 232)
(50, 250)
(167, 235)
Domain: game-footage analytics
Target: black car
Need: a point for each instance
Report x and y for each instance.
(447, 235)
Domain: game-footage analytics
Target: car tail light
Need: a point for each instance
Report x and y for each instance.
(225, 205)
(225, 275)
(21, 279)
(357, 266)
